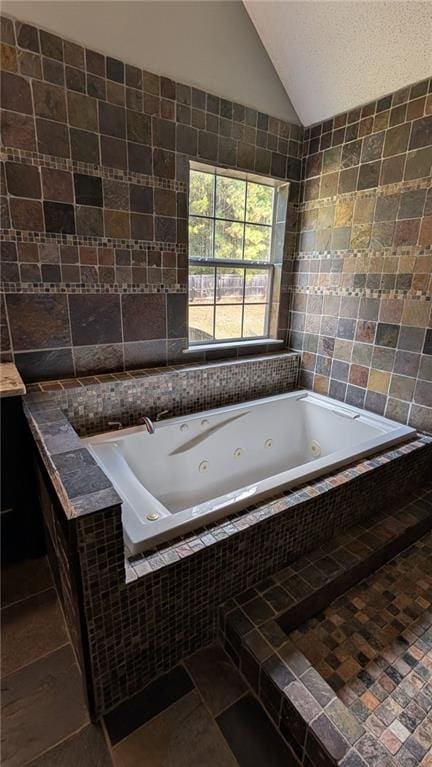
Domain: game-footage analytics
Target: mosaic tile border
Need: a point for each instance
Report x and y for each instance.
(24, 157)
(303, 706)
(387, 190)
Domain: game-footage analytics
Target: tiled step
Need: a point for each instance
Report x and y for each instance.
(254, 626)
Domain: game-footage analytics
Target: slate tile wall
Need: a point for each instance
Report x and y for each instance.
(94, 202)
(362, 278)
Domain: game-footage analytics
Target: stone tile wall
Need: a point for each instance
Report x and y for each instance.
(94, 209)
(362, 280)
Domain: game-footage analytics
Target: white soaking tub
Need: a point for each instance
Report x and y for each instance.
(201, 467)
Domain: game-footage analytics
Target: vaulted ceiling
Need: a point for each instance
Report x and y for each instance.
(334, 55)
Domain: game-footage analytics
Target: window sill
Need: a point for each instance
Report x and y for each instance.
(233, 345)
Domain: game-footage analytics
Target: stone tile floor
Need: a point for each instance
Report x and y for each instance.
(201, 714)
(373, 645)
(44, 719)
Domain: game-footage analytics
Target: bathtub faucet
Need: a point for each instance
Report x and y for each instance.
(148, 423)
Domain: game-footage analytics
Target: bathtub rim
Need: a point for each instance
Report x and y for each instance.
(173, 525)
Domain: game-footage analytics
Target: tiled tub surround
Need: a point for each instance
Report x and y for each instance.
(141, 616)
(383, 707)
(94, 214)
(361, 310)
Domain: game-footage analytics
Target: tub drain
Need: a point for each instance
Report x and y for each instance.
(315, 448)
(203, 467)
(152, 516)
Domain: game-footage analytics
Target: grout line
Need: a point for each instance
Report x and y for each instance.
(54, 746)
(35, 660)
(24, 599)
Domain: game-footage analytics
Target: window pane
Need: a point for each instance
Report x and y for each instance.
(259, 208)
(201, 323)
(200, 237)
(230, 198)
(229, 285)
(228, 240)
(228, 321)
(257, 243)
(257, 286)
(201, 284)
(254, 320)
(201, 193)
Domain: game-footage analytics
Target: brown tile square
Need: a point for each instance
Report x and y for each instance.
(27, 36)
(406, 232)
(138, 127)
(26, 214)
(53, 138)
(38, 321)
(141, 226)
(57, 185)
(15, 93)
(8, 58)
(396, 140)
(113, 152)
(73, 54)
(49, 101)
(95, 319)
(117, 223)
(95, 63)
(392, 169)
(82, 111)
(112, 120)
(140, 158)
(421, 134)
(84, 146)
(89, 221)
(115, 194)
(23, 180)
(144, 317)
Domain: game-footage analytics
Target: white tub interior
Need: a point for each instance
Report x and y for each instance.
(200, 467)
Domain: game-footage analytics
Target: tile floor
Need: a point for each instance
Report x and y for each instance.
(201, 714)
(373, 645)
(44, 718)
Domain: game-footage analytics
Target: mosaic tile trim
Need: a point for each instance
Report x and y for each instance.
(373, 645)
(359, 292)
(85, 288)
(176, 389)
(16, 235)
(387, 252)
(360, 194)
(318, 726)
(24, 157)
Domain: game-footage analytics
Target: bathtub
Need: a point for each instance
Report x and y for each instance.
(198, 468)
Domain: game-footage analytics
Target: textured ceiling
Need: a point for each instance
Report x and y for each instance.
(333, 56)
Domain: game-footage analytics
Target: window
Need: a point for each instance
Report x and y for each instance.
(230, 256)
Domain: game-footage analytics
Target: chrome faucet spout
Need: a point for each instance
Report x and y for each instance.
(148, 423)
